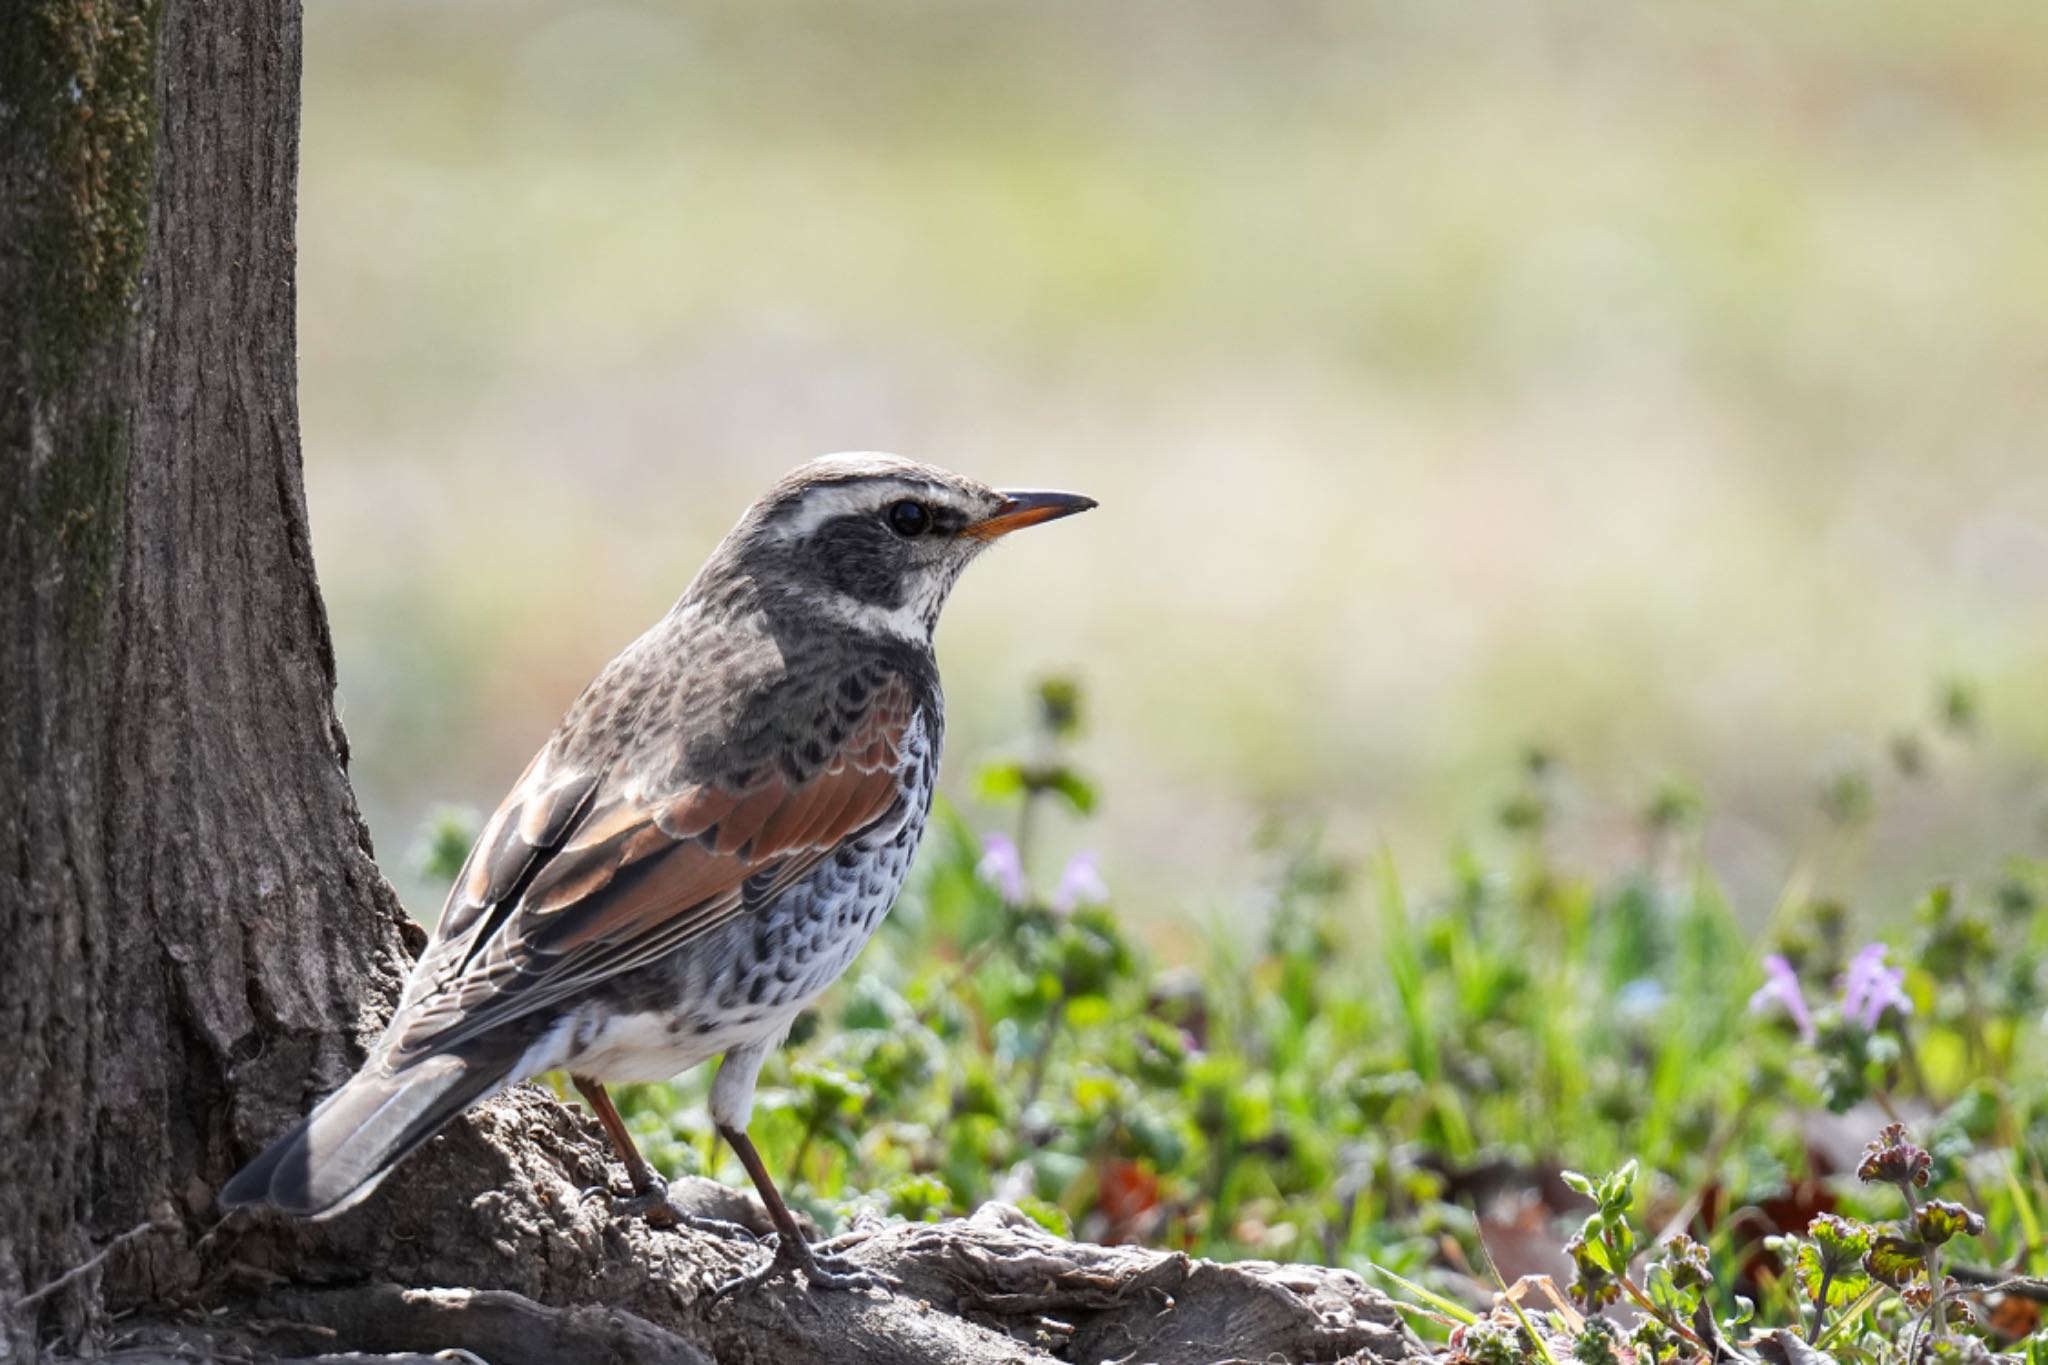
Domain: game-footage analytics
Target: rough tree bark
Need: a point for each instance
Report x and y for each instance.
(194, 920)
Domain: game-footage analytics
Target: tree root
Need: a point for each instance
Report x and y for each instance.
(994, 1289)
(563, 1282)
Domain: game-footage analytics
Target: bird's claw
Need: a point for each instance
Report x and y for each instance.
(654, 1205)
(651, 1203)
(823, 1269)
(715, 1227)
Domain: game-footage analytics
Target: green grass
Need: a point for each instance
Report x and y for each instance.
(1402, 1078)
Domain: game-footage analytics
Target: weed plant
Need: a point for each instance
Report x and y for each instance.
(1813, 1145)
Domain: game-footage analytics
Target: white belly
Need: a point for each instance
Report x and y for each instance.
(655, 1047)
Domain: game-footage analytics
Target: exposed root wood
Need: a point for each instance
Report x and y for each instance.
(565, 1280)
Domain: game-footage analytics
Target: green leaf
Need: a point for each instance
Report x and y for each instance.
(1047, 1215)
(443, 842)
(978, 1093)
(827, 1088)
(921, 1198)
(1093, 954)
(1595, 1343)
(1487, 1343)
(1594, 1284)
(1155, 1138)
(1079, 792)
(1652, 1339)
(1959, 706)
(1937, 1220)
(1000, 782)
(1896, 1261)
(1840, 1242)
(1618, 1191)
(1450, 1308)
(1810, 1264)
(1159, 1053)
(1059, 706)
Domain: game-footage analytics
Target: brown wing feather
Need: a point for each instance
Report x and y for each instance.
(617, 879)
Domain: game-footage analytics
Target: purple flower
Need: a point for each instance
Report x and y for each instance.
(1781, 987)
(1002, 867)
(1869, 988)
(1081, 884)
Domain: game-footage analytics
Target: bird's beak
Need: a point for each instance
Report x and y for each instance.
(1021, 509)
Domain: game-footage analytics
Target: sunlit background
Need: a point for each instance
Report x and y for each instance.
(1664, 385)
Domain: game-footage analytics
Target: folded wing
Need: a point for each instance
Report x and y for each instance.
(576, 878)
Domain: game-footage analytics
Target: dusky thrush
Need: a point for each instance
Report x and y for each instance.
(705, 844)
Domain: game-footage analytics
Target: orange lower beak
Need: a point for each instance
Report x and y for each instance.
(1021, 509)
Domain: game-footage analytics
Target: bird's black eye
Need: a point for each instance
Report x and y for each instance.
(908, 518)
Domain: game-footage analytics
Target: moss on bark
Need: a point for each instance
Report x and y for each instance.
(81, 77)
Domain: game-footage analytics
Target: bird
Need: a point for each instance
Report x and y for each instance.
(705, 843)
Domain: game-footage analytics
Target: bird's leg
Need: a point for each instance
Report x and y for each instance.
(650, 1192)
(646, 1180)
(792, 1250)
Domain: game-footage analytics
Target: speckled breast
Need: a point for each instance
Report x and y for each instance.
(749, 978)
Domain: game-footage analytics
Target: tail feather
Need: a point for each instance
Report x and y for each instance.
(337, 1154)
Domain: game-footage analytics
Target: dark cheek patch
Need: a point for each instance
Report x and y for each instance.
(860, 557)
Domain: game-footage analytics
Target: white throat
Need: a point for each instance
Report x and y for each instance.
(909, 622)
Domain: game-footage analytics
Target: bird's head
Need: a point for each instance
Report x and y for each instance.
(875, 540)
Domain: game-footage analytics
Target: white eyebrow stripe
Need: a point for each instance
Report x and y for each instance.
(830, 501)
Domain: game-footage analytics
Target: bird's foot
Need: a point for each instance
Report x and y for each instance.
(823, 1269)
(654, 1205)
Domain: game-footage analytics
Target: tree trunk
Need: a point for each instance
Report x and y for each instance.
(190, 898)
(198, 937)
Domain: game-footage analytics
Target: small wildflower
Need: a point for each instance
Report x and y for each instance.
(1002, 868)
(1081, 884)
(1686, 1260)
(1891, 1160)
(1781, 987)
(1869, 988)
(1919, 1296)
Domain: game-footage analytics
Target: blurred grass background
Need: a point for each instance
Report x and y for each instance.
(1661, 384)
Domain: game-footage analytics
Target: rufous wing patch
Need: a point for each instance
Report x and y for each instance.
(630, 874)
